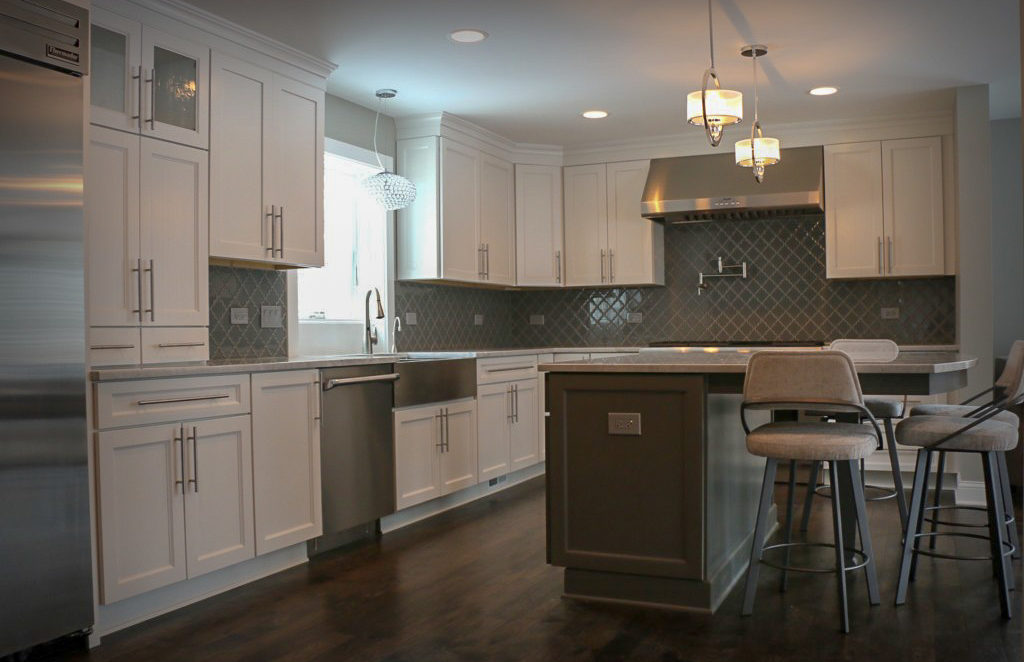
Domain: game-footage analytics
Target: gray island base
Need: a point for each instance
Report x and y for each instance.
(651, 494)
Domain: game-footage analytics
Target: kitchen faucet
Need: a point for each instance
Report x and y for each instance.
(369, 332)
(395, 328)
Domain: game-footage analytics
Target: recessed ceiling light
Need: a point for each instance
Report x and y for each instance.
(467, 36)
(595, 114)
(823, 91)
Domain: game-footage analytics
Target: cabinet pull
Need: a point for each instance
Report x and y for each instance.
(508, 404)
(152, 99)
(510, 368)
(611, 266)
(440, 429)
(272, 215)
(447, 431)
(180, 449)
(280, 224)
(480, 261)
(137, 77)
(881, 258)
(487, 261)
(890, 254)
(517, 402)
(138, 277)
(111, 346)
(190, 398)
(182, 344)
(602, 265)
(195, 461)
(558, 266)
(152, 296)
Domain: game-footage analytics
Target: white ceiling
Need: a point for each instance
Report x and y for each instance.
(548, 60)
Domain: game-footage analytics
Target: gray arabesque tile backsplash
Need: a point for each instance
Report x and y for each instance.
(785, 297)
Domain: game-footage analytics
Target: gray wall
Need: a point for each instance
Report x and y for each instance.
(1007, 234)
(353, 124)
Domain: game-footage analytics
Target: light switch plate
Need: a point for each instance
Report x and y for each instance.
(410, 319)
(270, 317)
(239, 315)
(478, 320)
(537, 320)
(635, 318)
(624, 424)
(891, 313)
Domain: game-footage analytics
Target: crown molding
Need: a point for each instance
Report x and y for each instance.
(465, 132)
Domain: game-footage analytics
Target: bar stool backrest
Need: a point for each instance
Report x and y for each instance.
(882, 350)
(825, 380)
(1012, 378)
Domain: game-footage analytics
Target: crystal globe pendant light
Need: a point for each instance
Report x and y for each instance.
(391, 191)
(714, 108)
(758, 151)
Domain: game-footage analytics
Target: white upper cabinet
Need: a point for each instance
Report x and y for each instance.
(266, 165)
(461, 227)
(607, 242)
(883, 209)
(539, 238)
(146, 81)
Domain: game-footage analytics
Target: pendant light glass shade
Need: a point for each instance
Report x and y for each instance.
(712, 107)
(757, 151)
(391, 191)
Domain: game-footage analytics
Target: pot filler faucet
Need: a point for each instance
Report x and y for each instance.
(369, 332)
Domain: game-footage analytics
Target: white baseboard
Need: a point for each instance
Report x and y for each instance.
(436, 506)
(970, 493)
(131, 611)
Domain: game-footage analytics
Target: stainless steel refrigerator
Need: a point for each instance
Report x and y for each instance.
(45, 558)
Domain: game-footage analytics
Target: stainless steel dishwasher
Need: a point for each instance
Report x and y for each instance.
(357, 455)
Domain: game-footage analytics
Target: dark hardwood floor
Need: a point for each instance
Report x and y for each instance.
(472, 584)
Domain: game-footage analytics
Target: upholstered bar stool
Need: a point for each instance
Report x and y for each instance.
(884, 410)
(823, 381)
(986, 437)
(1008, 383)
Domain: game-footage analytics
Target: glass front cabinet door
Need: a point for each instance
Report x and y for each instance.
(148, 82)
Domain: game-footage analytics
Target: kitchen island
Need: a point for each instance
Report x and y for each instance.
(651, 493)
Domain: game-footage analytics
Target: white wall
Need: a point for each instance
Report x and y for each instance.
(1007, 234)
(353, 124)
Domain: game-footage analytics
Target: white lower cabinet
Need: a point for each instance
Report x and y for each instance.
(435, 451)
(174, 502)
(524, 442)
(286, 458)
(508, 425)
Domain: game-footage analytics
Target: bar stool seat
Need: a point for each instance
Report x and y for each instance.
(986, 436)
(961, 411)
(792, 440)
(880, 408)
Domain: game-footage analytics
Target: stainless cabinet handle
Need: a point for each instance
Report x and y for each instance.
(280, 224)
(152, 296)
(515, 400)
(111, 346)
(890, 254)
(182, 344)
(558, 266)
(195, 461)
(447, 432)
(510, 368)
(881, 257)
(180, 449)
(331, 383)
(602, 265)
(508, 404)
(137, 77)
(440, 429)
(611, 266)
(487, 261)
(480, 261)
(138, 278)
(191, 398)
(152, 99)
(272, 215)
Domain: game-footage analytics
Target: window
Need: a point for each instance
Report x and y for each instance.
(355, 247)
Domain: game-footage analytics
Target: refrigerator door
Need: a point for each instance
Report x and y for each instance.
(45, 551)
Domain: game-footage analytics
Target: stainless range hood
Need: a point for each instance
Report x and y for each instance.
(694, 189)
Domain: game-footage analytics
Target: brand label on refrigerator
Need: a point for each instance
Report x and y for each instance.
(58, 53)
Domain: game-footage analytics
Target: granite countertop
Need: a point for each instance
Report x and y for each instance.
(683, 361)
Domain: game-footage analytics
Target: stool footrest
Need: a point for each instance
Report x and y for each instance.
(1009, 548)
(863, 559)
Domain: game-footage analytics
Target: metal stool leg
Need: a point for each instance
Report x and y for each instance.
(837, 525)
(920, 518)
(997, 530)
(760, 529)
(897, 476)
(788, 533)
(812, 482)
(938, 497)
(1011, 521)
(917, 495)
(870, 571)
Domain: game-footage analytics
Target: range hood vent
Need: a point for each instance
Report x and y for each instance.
(698, 189)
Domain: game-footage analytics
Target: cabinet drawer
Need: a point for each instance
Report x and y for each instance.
(119, 404)
(175, 344)
(506, 369)
(112, 346)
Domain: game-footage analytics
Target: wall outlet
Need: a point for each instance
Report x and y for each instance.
(537, 320)
(270, 317)
(478, 320)
(891, 313)
(624, 424)
(239, 315)
(410, 319)
(634, 318)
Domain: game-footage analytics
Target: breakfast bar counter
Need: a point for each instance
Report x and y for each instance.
(651, 493)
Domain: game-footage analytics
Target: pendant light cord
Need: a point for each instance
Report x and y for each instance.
(754, 64)
(711, 36)
(375, 121)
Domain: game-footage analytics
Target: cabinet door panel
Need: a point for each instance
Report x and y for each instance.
(524, 441)
(141, 510)
(286, 458)
(586, 224)
(114, 78)
(461, 258)
(239, 227)
(112, 227)
(497, 221)
(418, 240)
(417, 449)
(854, 234)
(913, 211)
(494, 411)
(218, 495)
(174, 234)
(635, 244)
(539, 252)
(295, 171)
(176, 76)
(459, 461)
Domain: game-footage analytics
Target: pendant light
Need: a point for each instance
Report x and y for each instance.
(716, 108)
(758, 151)
(391, 191)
